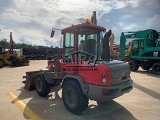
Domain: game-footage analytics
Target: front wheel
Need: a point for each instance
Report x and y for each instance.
(73, 97)
(156, 68)
(133, 66)
(42, 87)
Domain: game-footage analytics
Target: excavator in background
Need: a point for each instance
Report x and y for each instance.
(10, 57)
(143, 51)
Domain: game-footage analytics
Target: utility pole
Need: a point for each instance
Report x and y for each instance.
(11, 43)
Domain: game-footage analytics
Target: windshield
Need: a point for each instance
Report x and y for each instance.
(90, 42)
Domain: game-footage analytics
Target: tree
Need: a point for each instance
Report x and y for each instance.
(4, 43)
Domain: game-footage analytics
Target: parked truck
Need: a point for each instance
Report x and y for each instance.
(83, 74)
(144, 50)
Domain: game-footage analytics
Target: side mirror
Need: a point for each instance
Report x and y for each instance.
(52, 33)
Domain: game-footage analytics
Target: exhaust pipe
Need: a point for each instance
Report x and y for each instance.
(106, 51)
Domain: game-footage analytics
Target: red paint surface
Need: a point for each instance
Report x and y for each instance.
(90, 74)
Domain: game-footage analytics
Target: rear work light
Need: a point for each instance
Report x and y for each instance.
(106, 77)
(103, 80)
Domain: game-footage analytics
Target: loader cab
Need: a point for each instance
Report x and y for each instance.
(81, 41)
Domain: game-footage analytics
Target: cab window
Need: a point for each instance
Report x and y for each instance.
(141, 45)
(69, 43)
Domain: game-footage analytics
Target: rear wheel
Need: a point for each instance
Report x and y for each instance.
(42, 87)
(145, 67)
(2, 63)
(73, 97)
(156, 68)
(133, 66)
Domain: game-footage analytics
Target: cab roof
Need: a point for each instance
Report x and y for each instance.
(74, 27)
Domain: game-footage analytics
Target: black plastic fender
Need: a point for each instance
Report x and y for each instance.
(51, 77)
(47, 75)
(84, 86)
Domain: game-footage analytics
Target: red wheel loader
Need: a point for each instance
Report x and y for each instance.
(85, 70)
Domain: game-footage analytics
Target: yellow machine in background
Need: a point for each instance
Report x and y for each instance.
(114, 49)
(10, 57)
(128, 51)
(7, 58)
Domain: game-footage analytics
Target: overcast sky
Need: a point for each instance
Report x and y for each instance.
(31, 21)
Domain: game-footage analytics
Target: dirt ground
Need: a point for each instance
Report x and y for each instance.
(142, 103)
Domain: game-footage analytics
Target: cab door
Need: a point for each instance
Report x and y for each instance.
(135, 48)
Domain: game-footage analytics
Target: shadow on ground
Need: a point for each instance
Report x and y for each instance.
(147, 91)
(52, 108)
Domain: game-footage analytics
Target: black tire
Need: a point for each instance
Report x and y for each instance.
(127, 59)
(133, 66)
(73, 97)
(2, 63)
(42, 87)
(145, 67)
(156, 68)
(16, 63)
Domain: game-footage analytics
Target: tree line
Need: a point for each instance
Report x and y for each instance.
(5, 44)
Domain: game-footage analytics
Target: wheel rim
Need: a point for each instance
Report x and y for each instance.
(39, 84)
(70, 97)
